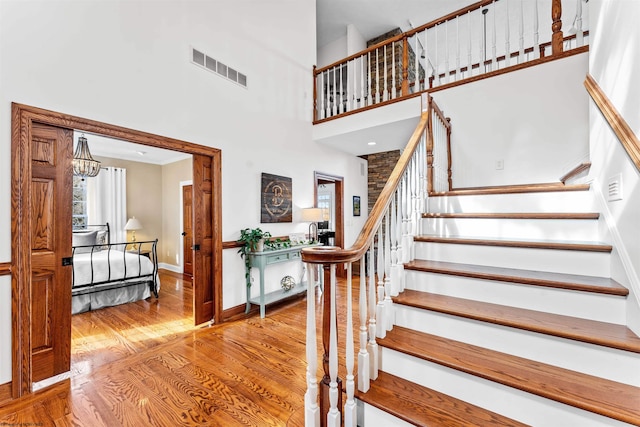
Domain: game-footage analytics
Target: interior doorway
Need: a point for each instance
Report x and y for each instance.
(207, 282)
(335, 217)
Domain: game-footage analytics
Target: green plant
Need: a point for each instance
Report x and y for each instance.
(249, 237)
(278, 243)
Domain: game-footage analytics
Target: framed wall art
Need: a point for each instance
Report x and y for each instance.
(356, 205)
(276, 201)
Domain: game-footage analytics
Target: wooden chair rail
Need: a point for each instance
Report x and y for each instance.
(5, 268)
(618, 124)
(333, 255)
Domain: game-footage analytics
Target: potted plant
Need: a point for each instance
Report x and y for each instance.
(252, 239)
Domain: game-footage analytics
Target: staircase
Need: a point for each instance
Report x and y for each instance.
(508, 317)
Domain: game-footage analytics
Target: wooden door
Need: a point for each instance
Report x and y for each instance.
(187, 231)
(50, 243)
(203, 233)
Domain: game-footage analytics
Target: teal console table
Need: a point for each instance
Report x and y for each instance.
(261, 260)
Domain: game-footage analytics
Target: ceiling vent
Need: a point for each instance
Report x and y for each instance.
(208, 63)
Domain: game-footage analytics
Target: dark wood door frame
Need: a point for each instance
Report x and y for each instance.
(320, 178)
(22, 117)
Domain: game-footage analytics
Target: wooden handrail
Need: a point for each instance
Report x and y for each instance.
(618, 124)
(332, 254)
(408, 34)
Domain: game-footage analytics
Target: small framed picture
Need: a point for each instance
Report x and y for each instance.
(356, 205)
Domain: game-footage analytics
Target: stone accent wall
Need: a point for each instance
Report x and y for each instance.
(396, 52)
(380, 167)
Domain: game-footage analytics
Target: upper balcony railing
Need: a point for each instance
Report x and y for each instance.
(480, 40)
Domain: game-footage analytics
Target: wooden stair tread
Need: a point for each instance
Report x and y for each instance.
(422, 406)
(584, 330)
(513, 189)
(598, 395)
(569, 245)
(515, 215)
(602, 285)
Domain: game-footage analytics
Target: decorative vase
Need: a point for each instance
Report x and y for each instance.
(260, 245)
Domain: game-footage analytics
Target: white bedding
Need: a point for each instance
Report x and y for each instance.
(135, 265)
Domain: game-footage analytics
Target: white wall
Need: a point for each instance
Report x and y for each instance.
(534, 120)
(355, 40)
(127, 63)
(615, 65)
(332, 52)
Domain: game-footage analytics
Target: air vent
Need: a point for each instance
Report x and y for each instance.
(210, 64)
(615, 188)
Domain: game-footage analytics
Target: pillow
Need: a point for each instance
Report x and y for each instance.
(101, 239)
(84, 239)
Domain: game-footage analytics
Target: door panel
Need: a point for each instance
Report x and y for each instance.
(203, 291)
(187, 219)
(50, 209)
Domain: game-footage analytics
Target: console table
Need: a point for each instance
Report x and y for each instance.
(261, 260)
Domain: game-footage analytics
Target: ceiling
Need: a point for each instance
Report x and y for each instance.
(119, 149)
(375, 17)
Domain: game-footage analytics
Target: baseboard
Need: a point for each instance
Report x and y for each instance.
(170, 267)
(5, 392)
(620, 249)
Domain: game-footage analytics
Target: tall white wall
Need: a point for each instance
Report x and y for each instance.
(533, 120)
(127, 63)
(615, 65)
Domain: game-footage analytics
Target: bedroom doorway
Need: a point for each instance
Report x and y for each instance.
(34, 197)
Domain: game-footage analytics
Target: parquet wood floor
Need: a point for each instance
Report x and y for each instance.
(145, 365)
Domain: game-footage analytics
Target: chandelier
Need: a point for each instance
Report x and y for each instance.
(83, 164)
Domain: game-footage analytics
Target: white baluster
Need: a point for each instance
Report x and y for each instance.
(507, 45)
(363, 355)
(311, 408)
(320, 92)
(335, 92)
(369, 97)
(457, 75)
(426, 61)
(400, 250)
(394, 91)
(447, 75)
(385, 95)
(354, 91)
(327, 95)
(381, 325)
(395, 279)
(536, 42)
(372, 346)
(482, 43)
(341, 108)
(494, 65)
(469, 55)
(350, 410)
(362, 80)
(579, 34)
(521, 30)
(435, 65)
(333, 417)
(377, 78)
(407, 239)
(416, 65)
(388, 302)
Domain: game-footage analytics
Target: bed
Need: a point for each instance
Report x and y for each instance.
(107, 274)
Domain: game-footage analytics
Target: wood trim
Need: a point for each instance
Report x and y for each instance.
(22, 117)
(5, 268)
(5, 392)
(512, 189)
(531, 244)
(575, 171)
(514, 215)
(618, 124)
(326, 254)
(490, 74)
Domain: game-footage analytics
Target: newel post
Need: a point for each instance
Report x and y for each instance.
(405, 66)
(325, 385)
(556, 27)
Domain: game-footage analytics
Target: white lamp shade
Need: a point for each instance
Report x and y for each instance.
(312, 215)
(133, 224)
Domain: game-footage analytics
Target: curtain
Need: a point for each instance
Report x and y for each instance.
(107, 201)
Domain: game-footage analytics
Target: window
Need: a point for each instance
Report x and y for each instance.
(79, 203)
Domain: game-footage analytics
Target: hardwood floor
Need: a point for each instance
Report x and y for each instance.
(145, 365)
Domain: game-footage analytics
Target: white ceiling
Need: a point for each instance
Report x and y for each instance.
(375, 17)
(119, 149)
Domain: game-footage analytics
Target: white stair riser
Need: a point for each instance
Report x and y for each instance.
(510, 402)
(561, 201)
(548, 229)
(565, 353)
(370, 416)
(586, 305)
(552, 260)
